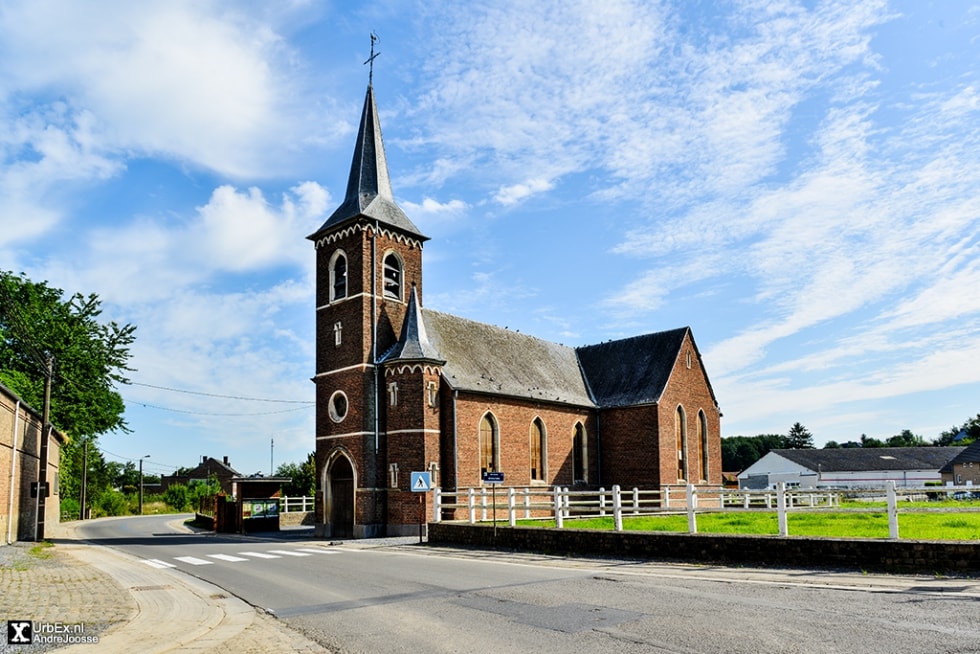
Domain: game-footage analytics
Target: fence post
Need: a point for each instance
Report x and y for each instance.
(781, 508)
(692, 502)
(436, 504)
(527, 504)
(471, 502)
(483, 504)
(511, 507)
(617, 508)
(559, 517)
(892, 510)
(636, 501)
(602, 501)
(666, 499)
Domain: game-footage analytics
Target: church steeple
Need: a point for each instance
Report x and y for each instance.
(368, 186)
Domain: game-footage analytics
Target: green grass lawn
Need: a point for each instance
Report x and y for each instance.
(915, 526)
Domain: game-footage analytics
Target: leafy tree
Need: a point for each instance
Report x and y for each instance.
(739, 452)
(799, 438)
(971, 427)
(89, 358)
(303, 477)
(906, 439)
(867, 441)
(178, 497)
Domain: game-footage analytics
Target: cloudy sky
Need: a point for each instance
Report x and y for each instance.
(797, 181)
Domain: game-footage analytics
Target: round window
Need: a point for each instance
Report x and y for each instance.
(338, 406)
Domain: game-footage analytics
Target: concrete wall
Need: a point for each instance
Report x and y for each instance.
(927, 557)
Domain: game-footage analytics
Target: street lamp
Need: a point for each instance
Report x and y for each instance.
(141, 482)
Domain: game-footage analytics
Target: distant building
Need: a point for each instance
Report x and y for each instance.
(208, 467)
(403, 389)
(964, 468)
(852, 467)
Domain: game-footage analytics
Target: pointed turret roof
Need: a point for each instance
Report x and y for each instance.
(413, 344)
(368, 187)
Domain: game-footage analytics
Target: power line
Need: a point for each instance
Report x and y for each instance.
(226, 415)
(227, 397)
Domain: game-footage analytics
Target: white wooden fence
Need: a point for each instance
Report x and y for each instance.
(560, 504)
(293, 504)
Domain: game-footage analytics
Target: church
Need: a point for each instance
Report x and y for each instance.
(401, 388)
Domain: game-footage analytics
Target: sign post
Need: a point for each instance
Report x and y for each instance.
(421, 484)
(493, 478)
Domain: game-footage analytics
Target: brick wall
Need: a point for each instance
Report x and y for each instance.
(928, 557)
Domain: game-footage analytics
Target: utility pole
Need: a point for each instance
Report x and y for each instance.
(141, 482)
(42, 465)
(81, 500)
(272, 449)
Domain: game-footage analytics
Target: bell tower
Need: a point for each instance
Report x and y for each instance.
(368, 259)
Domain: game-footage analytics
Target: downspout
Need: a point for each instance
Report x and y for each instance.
(455, 449)
(374, 329)
(13, 468)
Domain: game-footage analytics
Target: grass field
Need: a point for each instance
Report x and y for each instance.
(935, 525)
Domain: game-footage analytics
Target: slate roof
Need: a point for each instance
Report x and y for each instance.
(488, 359)
(369, 187)
(969, 453)
(855, 459)
(413, 343)
(633, 370)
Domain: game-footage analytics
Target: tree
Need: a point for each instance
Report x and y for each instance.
(90, 357)
(906, 439)
(971, 429)
(303, 477)
(739, 452)
(799, 438)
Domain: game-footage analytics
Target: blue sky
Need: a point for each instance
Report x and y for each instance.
(797, 181)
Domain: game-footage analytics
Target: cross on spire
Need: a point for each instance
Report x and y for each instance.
(370, 60)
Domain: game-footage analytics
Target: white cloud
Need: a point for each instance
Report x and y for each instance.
(509, 195)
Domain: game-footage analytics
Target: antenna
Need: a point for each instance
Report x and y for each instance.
(370, 60)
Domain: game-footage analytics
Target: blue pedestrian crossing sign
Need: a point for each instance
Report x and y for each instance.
(421, 482)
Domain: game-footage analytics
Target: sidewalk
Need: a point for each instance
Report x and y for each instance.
(130, 607)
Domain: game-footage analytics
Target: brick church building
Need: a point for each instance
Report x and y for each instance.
(401, 388)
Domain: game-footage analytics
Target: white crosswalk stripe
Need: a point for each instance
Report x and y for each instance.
(289, 552)
(227, 557)
(239, 557)
(260, 555)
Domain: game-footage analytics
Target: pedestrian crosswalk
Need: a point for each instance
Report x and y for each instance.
(238, 557)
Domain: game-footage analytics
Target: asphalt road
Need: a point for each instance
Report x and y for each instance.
(362, 597)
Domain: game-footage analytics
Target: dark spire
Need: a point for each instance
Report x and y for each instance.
(413, 344)
(368, 187)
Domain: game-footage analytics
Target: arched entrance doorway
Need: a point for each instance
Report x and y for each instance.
(341, 478)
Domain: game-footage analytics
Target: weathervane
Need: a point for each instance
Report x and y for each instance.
(370, 60)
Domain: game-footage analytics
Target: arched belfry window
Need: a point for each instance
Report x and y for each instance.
(489, 444)
(680, 431)
(338, 276)
(392, 276)
(539, 451)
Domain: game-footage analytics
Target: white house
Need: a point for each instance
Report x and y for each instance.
(856, 467)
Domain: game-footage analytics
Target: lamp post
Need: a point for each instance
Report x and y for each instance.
(141, 482)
